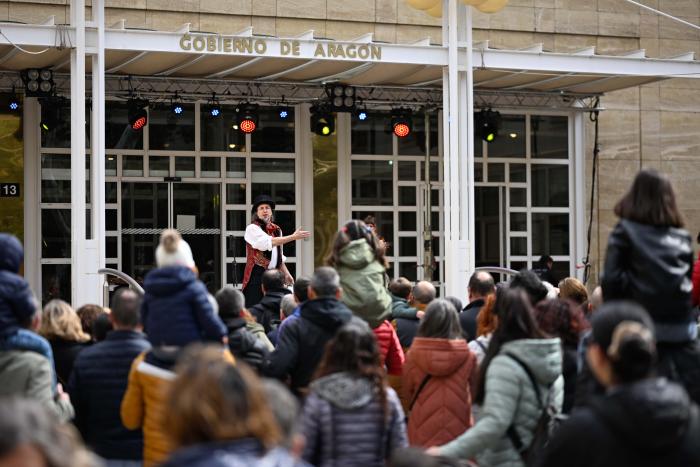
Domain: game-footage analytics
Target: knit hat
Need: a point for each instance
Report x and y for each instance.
(173, 250)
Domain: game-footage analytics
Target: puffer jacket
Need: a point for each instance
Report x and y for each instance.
(442, 409)
(390, 348)
(344, 424)
(511, 399)
(652, 266)
(244, 345)
(649, 423)
(17, 304)
(267, 311)
(246, 452)
(176, 309)
(364, 284)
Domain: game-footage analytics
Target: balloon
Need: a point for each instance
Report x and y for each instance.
(423, 4)
(492, 6)
(435, 11)
(474, 2)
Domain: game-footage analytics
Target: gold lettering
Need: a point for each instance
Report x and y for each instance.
(376, 52)
(186, 42)
(351, 50)
(319, 51)
(260, 47)
(198, 43)
(295, 48)
(331, 50)
(285, 48)
(228, 42)
(247, 46)
(363, 52)
(340, 51)
(211, 44)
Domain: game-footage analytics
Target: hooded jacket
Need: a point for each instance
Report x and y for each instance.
(363, 281)
(267, 311)
(511, 399)
(344, 424)
(390, 349)
(246, 452)
(652, 266)
(303, 341)
(401, 309)
(443, 409)
(17, 304)
(176, 309)
(244, 345)
(645, 424)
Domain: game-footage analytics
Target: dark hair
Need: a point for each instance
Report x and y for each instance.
(351, 231)
(531, 285)
(481, 283)
(231, 302)
(370, 219)
(624, 331)
(515, 321)
(561, 318)
(544, 259)
(423, 292)
(650, 200)
(456, 302)
(301, 288)
(126, 307)
(273, 279)
(325, 282)
(354, 349)
(87, 314)
(100, 327)
(440, 321)
(400, 287)
(284, 407)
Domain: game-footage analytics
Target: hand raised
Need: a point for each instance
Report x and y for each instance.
(299, 234)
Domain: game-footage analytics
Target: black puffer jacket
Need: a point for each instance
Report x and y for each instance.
(244, 345)
(652, 266)
(17, 304)
(267, 311)
(651, 423)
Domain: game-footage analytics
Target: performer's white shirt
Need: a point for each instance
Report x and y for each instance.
(259, 240)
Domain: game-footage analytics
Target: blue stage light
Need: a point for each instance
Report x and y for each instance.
(362, 116)
(284, 114)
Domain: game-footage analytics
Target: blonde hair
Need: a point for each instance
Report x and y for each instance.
(574, 290)
(59, 320)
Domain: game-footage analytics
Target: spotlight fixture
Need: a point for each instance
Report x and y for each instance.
(486, 124)
(50, 112)
(322, 121)
(341, 97)
(38, 82)
(401, 123)
(10, 101)
(284, 112)
(213, 108)
(137, 113)
(176, 107)
(247, 117)
(361, 115)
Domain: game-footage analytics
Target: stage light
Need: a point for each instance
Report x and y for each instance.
(50, 113)
(341, 97)
(401, 123)
(247, 117)
(137, 114)
(11, 101)
(215, 111)
(322, 122)
(486, 125)
(38, 82)
(362, 115)
(284, 112)
(176, 108)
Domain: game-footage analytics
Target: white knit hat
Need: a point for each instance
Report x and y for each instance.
(173, 250)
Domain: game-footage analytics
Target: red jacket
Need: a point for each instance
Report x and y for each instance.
(695, 297)
(390, 348)
(443, 409)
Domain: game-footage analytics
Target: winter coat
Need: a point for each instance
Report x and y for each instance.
(652, 266)
(176, 309)
(246, 452)
(97, 385)
(570, 374)
(401, 309)
(364, 284)
(258, 332)
(244, 345)
(390, 348)
(303, 341)
(695, 298)
(64, 354)
(406, 329)
(511, 399)
(267, 311)
(17, 304)
(442, 409)
(29, 375)
(467, 318)
(650, 423)
(344, 424)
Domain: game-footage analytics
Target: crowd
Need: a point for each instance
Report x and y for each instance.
(348, 368)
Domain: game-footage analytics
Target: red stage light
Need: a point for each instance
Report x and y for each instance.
(402, 130)
(247, 126)
(139, 123)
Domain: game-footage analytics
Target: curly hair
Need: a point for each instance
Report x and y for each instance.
(562, 318)
(59, 320)
(355, 230)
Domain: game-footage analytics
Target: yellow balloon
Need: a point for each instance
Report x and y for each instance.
(435, 11)
(474, 2)
(423, 4)
(492, 6)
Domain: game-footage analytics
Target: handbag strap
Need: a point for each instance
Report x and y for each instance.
(420, 388)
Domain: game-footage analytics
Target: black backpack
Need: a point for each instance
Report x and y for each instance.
(549, 420)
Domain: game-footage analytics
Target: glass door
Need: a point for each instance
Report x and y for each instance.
(490, 226)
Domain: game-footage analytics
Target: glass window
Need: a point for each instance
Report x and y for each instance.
(235, 220)
(407, 221)
(55, 233)
(408, 246)
(168, 131)
(235, 193)
(55, 178)
(221, 133)
(118, 132)
(235, 246)
(56, 116)
(414, 143)
(409, 271)
(144, 205)
(550, 185)
(274, 177)
(407, 171)
(274, 132)
(184, 166)
(550, 234)
(235, 167)
(372, 135)
(55, 282)
(111, 166)
(518, 173)
(372, 183)
(434, 171)
(111, 219)
(158, 166)
(138, 255)
(196, 206)
(234, 273)
(518, 222)
(286, 221)
(518, 265)
(497, 172)
(510, 141)
(478, 172)
(407, 196)
(550, 137)
(111, 247)
(110, 192)
(385, 224)
(518, 197)
(518, 246)
(132, 166)
(210, 167)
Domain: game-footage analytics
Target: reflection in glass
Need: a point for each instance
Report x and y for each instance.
(550, 234)
(59, 135)
(325, 189)
(274, 177)
(235, 246)
(138, 255)
(196, 206)
(550, 185)
(55, 282)
(158, 166)
(118, 132)
(372, 135)
(550, 137)
(372, 183)
(414, 143)
(221, 133)
(478, 172)
(55, 233)
(510, 141)
(274, 133)
(168, 131)
(488, 226)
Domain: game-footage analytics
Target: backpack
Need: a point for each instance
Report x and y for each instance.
(549, 421)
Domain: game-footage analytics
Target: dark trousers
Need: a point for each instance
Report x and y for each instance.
(253, 289)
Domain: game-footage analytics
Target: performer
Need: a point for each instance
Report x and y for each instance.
(264, 242)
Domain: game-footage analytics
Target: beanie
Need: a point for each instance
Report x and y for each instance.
(173, 250)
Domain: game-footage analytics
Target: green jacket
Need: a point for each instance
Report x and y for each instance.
(28, 374)
(401, 309)
(364, 283)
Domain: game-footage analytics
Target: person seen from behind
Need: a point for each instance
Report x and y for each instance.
(400, 290)
(301, 294)
(422, 294)
(481, 286)
(267, 310)
(487, 323)
(88, 314)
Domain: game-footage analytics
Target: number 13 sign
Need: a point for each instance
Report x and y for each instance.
(9, 190)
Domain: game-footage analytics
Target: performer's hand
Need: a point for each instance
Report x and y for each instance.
(288, 279)
(299, 234)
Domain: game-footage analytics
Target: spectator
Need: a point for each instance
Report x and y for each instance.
(351, 416)
(301, 294)
(218, 416)
(439, 374)
(301, 344)
(390, 351)
(98, 383)
(573, 289)
(243, 343)
(400, 292)
(359, 260)
(531, 285)
(88, 314)
(267, 310)
(31, 437)
(481, 285)
(60, 325)
(518, 358)
(287, 307)
(456, 303)
(421, 295)
(543, 269)
(641, 420)
(28, 374)
(487, 323)
(101, 326)
(649, 260)
(176, 306)
(695, 297)
(286, 410)
(565, 320)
